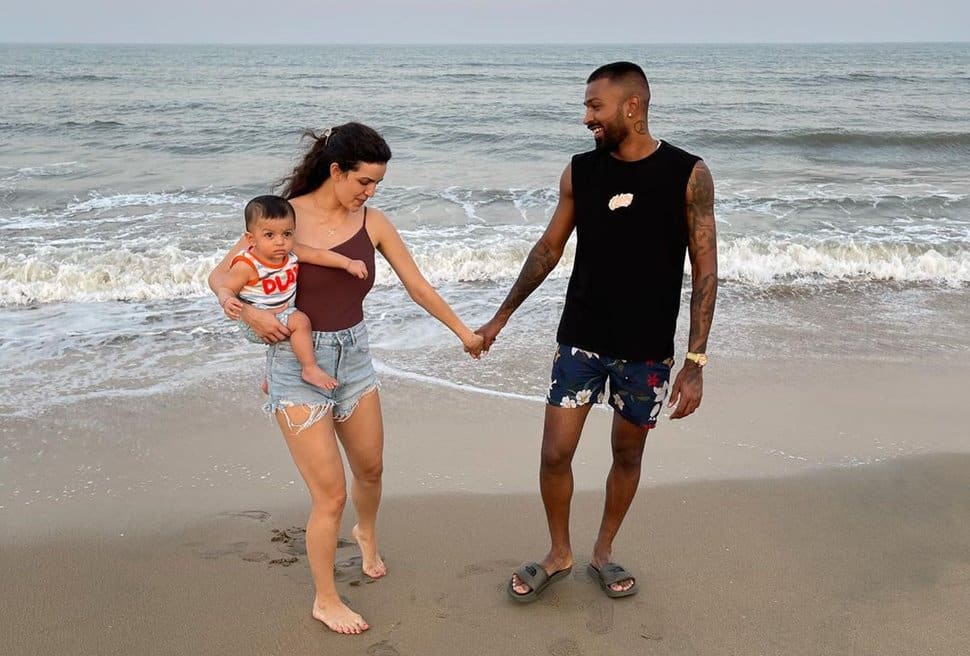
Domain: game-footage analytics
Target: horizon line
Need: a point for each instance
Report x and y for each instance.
(477, 43)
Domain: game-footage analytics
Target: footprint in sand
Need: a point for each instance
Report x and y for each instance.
(349, 563)
(599, 619)
(442, 608)
(218, 552)
(258, 515)
(565, 647)
(382, 648)
(285, 561)
(549, 598)
(290, 541)
(255, 557)
(474, 570)
(653, 631)
(349, 569)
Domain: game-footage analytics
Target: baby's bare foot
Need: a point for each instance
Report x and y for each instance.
(319, 377)
(371, 563)
(339, 619)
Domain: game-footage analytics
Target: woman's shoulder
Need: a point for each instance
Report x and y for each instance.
(376, 220)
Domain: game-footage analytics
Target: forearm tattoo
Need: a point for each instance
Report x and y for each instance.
(702, 244)
(540, 262)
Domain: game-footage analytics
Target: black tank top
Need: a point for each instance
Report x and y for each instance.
(332, 298)
(631, 237)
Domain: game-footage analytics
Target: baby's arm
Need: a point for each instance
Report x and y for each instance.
(327, 258)
(228, 292)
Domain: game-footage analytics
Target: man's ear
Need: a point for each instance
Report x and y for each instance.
(634, 106)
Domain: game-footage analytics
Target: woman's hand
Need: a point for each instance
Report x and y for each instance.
(265, 324)
(473, 344)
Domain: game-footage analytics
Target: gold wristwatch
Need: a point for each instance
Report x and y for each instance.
(700, 359)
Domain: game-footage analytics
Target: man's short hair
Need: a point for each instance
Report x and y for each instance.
(627, 74)
(267, 207)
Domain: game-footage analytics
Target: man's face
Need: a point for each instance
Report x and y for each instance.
(604, 113)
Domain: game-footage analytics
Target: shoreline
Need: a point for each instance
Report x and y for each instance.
(187, 450)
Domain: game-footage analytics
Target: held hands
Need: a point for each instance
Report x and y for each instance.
(489, 332)
(687, 390)
(473, 344)
(356, 268)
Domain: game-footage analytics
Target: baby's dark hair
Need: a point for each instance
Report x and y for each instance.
(267, 207)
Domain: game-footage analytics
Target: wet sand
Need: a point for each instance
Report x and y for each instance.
(764, 525)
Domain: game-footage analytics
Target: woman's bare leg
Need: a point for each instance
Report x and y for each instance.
(316, 455)
(362, 436)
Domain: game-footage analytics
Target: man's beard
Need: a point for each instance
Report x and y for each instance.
(613, 135)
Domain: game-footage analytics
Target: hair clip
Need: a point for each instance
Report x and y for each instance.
(326, 135)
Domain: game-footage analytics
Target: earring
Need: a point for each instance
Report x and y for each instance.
(629, 115)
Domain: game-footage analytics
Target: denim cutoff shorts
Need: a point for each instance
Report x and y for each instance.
(344, 354)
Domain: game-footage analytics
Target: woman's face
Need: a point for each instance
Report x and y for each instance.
(356, 186)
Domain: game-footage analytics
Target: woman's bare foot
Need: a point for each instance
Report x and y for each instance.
(339, 619)
(319, 377)
(371, 562)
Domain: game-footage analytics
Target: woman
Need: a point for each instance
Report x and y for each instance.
(328, 190)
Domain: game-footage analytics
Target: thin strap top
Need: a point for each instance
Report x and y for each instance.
(332, 298)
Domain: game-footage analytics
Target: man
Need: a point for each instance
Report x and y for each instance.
(637, 204)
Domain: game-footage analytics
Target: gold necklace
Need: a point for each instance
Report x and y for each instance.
(331, 231)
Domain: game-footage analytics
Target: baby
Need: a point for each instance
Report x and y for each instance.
(264, 275)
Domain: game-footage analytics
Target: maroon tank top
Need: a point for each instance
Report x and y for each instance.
(332, 298)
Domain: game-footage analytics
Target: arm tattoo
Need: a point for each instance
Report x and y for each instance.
(702, 244)
(540, 262)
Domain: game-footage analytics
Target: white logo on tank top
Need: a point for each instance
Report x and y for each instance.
(620, 200)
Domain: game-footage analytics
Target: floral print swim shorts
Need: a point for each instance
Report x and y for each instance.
(637, 390)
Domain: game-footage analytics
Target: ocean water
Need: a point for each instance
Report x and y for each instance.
(843, 198)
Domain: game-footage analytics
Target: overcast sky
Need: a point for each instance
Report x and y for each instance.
(481, 21)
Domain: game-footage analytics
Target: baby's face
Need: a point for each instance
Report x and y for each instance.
(272, 239)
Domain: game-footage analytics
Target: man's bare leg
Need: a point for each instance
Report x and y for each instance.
(628, 441)
(560, 437)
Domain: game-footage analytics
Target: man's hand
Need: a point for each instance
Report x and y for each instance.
(687, 390)
(265, 324)
(489, 332)
(356, 268)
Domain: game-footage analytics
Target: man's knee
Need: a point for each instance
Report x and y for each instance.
(555, 456)
(629, 456)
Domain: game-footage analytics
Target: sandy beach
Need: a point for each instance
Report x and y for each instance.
(810, 508)
(815, 505)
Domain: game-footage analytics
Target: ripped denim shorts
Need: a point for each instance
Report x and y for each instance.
(344, 354)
